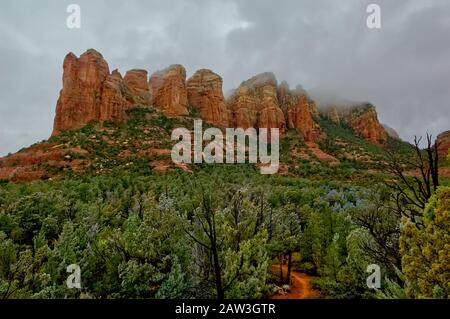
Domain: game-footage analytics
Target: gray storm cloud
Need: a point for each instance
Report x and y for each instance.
(403, 68)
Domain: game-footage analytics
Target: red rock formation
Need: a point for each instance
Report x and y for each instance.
(204, 90)
(333, 115)
(300, 116)
(255, 104)
(116, 98)
(137, 81)
(443, 142)
(90, 93)
(79, 100)
(298, 110)
(168, 90)
(364, 121)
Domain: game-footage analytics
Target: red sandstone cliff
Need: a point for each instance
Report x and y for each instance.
(255, 104)
(364, 121)
(91, 93)
(204, 90)
(299, 111)
(168, 90)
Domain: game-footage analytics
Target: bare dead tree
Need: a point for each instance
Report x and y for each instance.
(415, 179)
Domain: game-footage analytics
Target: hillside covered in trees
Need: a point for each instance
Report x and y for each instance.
(103, 194)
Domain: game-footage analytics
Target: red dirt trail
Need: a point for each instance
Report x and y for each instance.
(300, 286)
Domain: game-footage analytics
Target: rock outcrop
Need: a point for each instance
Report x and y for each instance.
(364, 121)
(298, 111)
(91, 94)
(80, 98)
(116, 98)
(255, 104)
(443, 142)
(204, 91)
(168, 90)
(137, 81)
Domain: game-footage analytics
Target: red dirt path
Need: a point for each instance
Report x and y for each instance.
(300, 286)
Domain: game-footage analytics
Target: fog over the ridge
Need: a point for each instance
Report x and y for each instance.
(403, 68)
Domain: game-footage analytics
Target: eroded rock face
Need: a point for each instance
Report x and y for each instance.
(364, 121)
(298, 110)
(168, 90)
(300, 116)
(137, 82)
(116, 98)
(91, 94)
(80, 99)
(443, 142)
(255, 104)
(204, 91)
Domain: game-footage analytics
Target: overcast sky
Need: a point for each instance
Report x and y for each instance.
(403, 68)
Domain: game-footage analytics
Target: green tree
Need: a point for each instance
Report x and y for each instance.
(426, 250)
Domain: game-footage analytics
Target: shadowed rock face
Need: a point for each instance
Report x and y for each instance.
(204, 90)
(168, 90)
(443, 142)
(116, 98)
